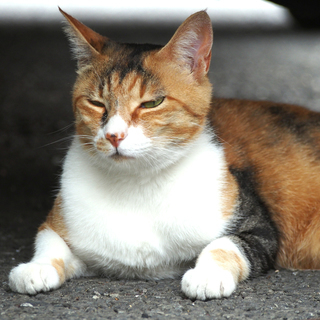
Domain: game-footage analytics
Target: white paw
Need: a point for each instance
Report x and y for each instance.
(203, 284)
(32, 278)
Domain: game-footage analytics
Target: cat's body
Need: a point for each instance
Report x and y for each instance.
(150, 226)
(160, 178)
(279, 145)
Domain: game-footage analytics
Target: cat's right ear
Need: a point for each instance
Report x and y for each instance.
(85, 43)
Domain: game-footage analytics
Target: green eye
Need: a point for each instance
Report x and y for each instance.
(152, 104)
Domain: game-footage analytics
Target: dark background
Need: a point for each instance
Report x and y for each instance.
(36, 124)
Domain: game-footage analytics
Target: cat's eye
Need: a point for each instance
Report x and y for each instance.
(152, 104)
(97, 103)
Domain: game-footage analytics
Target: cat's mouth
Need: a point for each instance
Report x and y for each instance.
(118, 156)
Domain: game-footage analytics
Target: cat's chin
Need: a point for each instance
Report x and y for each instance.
(120, 157)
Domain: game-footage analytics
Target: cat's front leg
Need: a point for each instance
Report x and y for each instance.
(219, 268)
(248, 251)
(52, 264)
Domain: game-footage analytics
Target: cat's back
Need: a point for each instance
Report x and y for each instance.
(265, 119)
(256, 132)
(279, 145)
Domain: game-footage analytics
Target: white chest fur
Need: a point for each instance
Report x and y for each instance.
(143, 225)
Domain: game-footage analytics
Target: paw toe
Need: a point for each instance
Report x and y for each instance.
(201, 285)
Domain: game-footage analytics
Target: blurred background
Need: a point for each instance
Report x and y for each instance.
(254, 11)
(261, 51)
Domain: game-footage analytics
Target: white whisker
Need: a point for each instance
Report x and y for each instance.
(65, 128)
(57, 141)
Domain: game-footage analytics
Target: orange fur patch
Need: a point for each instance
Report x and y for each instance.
(229, 195)
(58, 264)
(231, 261)
(55, 220)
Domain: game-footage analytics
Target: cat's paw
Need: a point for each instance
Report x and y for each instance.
(203, 284)
(31, 278)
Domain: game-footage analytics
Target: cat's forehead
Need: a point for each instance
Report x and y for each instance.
(126, 58)
(123, 69)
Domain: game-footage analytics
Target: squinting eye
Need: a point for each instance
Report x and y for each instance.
(97, 103)
(152, 104)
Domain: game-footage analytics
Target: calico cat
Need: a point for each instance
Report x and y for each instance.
(162, 181)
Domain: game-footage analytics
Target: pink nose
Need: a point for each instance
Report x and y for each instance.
(116, 138)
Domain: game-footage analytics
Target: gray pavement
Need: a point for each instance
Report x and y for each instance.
(36, 77)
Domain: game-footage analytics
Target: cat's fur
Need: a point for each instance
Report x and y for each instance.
(162, 181)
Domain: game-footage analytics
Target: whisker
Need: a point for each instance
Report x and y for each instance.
(65, 128)
(224, 141)
(56, 141)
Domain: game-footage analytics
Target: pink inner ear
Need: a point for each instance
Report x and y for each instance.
(197, 52)
(202, 55)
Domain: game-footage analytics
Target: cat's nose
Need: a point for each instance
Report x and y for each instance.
(116, 138)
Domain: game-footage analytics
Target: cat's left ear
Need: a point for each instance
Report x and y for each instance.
(85, 43)
(190, 46)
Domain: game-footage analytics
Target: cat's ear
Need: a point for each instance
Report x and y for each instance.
(191, 45)
(85, 43)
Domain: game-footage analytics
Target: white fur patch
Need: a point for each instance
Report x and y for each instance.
(116, 125)
(141, 223)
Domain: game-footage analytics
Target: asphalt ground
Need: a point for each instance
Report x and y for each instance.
(36, 78)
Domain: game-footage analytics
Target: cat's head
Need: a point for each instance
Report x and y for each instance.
(141, 105)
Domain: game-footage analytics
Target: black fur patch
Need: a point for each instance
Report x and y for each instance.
(254, 231)
(104, 118)
(303, 129)
(297, 125)
(128, 58)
